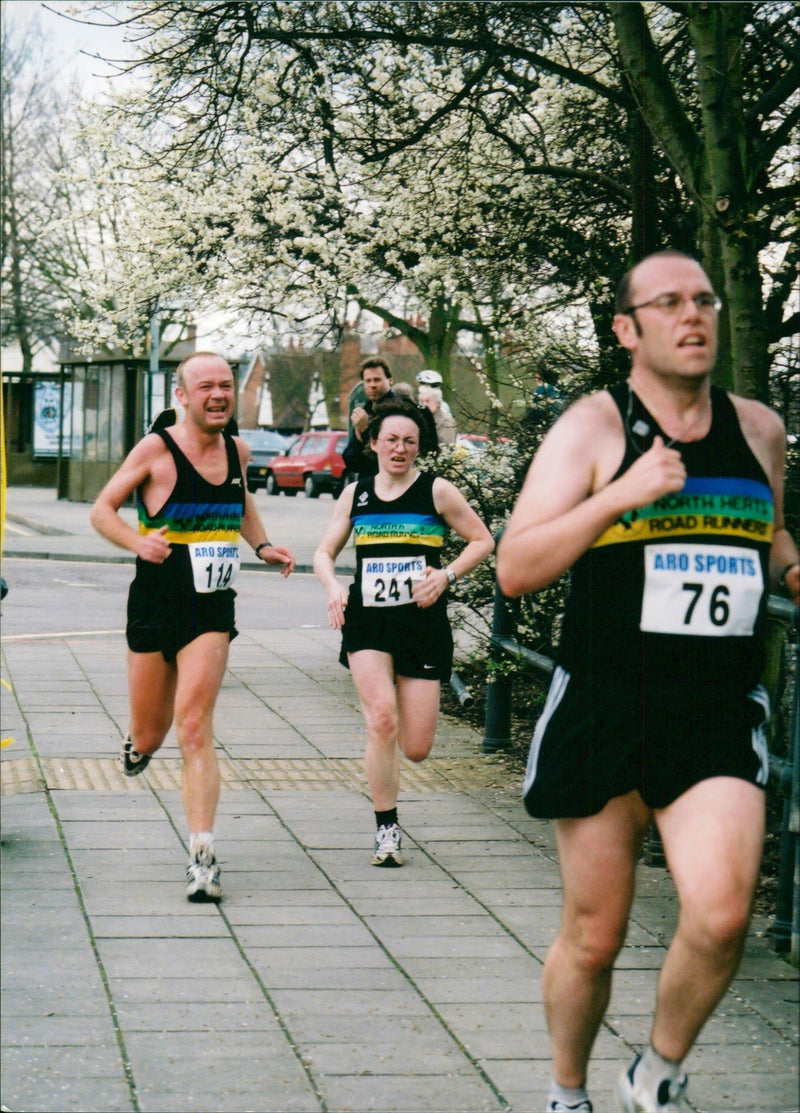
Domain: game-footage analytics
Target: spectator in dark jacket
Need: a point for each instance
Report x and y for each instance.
(376, 376)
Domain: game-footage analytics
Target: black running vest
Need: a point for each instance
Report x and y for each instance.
(394, 540)
(673, 595)
(203, 521)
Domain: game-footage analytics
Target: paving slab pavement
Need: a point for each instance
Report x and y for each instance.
(319, 984)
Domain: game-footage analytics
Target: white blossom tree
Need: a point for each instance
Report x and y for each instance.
(64, 196)
(287, 237)
(29, 198)
(423, 150)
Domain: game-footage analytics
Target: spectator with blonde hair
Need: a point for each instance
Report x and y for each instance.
(431, 397)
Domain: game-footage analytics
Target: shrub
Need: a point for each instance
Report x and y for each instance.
(491, 481)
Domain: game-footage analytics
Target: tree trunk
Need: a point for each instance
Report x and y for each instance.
(717, 32)
(436, 343)
(713, 172)
(644, 206)
(21, 331)
(442, 336)
(710, 250)
(492, 371)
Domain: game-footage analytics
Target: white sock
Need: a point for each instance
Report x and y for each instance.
(567, 1095)
(200, 841)
(651, 1071)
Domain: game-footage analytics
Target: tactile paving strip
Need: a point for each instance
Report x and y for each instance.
(104, 774)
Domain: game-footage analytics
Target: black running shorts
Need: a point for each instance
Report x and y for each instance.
(589, 747)
(418, 639)
(168, 626)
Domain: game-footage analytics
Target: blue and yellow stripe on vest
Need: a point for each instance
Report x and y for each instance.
(402, 528)
(707, 505)
(188, 522)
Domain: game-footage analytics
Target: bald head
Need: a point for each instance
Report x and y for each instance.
(200, 363)
(206, 390)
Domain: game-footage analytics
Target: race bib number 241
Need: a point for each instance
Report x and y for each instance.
(388, 582)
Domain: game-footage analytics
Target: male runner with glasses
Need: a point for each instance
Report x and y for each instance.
(664, 496)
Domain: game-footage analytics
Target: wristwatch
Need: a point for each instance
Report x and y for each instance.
(451, 576)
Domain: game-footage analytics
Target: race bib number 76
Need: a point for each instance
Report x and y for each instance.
(708, 590)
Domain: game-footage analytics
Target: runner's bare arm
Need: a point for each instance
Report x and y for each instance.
(568, 498)
(460, 516)
(135, 471)
(765, 433)
(333, 541)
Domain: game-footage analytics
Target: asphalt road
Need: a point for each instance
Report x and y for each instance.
(48, 597)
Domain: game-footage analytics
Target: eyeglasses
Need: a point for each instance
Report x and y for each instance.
(705, 302)
(407, 442)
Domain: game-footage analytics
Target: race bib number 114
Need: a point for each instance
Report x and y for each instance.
(214, 565)
(708, 590)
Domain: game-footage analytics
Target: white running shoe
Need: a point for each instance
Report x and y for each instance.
(557, 1106)
(203, 878)
(669, 1099)
(133, 763)
(387, 846)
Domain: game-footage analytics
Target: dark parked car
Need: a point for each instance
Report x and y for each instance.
(314, 464)
(264, 445)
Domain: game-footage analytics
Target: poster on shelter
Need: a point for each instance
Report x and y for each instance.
(47, 418)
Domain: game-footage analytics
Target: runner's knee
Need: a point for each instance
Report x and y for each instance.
(193, 726)
(594, 941)
(382, 722)
(718, 925)
(416, 750)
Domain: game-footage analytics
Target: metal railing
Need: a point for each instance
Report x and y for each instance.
(784, 772)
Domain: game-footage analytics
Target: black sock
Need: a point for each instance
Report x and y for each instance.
(386, 819)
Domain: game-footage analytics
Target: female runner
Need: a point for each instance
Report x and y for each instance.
(396, 638)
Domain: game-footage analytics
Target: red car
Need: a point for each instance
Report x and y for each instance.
(473, 442)
(312, 464)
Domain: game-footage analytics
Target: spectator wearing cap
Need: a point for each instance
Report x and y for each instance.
(429, 377)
